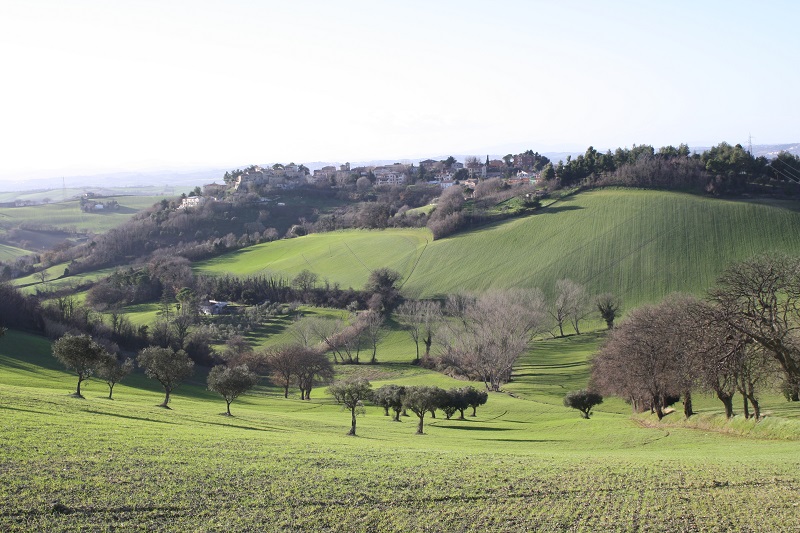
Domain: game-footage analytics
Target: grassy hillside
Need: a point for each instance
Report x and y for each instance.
(9, 253)
(524, 463)
(345, 257)
(638, 244)
(67, 214)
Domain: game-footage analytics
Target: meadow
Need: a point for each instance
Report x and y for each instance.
(638, 244)
(524, 463)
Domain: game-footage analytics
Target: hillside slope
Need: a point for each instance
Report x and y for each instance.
(638, 244)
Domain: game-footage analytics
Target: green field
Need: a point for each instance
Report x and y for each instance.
(62, 194)
(67, 214)
(10, 253)
(638, 244)
(525, 463)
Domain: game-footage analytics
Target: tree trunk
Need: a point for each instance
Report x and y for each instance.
(352, 431)
(416, 360)
(428, 341)
(727, 401)
(308, 393)
(228, 407)
(166, 399)
(585, 413)
(78, 390)
(110, 391)
(561, 329)
(462, 414)
(385, 410)
(657, 405)
(745, 407)
(433, 413)
(419, 426)
(397, 415)
(756, 406)
(286, 391)
(474, 407)
(687, 404)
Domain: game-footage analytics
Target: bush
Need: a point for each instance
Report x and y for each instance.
(583, 401)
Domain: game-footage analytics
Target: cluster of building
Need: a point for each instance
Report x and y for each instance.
(444, 173)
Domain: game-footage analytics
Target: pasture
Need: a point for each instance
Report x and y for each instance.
(525, 462)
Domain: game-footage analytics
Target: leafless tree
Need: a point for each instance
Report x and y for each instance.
(491, 332)
(760, 298)
(373, 330)
(570, 305)
(646, 359)
(420, 319)
(313, 368)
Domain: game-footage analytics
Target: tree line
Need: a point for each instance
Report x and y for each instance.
(170, 368)
(741, 337)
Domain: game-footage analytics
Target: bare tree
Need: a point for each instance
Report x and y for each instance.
(303, 332)
(420, 319)
(313, 368)
(608, 306)
(760, 298)
(645, 360)
(284, 364)
(373, 330)
(490, 333)
(570, 305)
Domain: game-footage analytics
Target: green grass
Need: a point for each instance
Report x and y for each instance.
(68, 215)
(638, 244)
(344, 257)
(523, 463)
(9, 253)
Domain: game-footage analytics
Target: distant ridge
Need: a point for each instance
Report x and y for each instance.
(200, 176)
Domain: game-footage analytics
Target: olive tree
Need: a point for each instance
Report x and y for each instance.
(475, 398)
(422, 399)
(390, 397)
(231, 382)
(352, 394)
(166, 366)
(583, 401)
(81, 354)
(112, 370)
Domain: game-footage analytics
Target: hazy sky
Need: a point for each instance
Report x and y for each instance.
(101, 85)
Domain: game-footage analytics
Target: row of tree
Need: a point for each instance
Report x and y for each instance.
(740, 338)
(722, 169)
(421, 400)
(170, 368)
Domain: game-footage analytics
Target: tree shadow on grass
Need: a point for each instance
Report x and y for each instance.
(559, 209)
(251, 428)
(25, 410)
(524, 440)
(130, 417)
(473, 428)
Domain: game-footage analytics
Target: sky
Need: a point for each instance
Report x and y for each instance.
(96, 86)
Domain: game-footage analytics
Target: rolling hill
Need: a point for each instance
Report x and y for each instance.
(638, 244)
